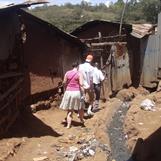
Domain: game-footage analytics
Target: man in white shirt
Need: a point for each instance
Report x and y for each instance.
(98, 77)
(87, 71)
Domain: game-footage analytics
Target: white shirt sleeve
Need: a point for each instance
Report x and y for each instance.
(101, 75)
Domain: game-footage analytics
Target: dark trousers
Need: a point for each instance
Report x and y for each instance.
(97, 90)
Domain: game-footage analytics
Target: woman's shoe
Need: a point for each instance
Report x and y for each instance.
(82, 121)
(64, 121)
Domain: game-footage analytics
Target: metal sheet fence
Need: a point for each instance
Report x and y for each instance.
(150, 61)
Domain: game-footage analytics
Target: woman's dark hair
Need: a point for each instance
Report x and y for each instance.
(75, 64)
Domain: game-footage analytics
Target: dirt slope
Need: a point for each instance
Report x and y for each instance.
(143, 129)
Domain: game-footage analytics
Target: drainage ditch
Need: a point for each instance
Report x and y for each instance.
(117, 136)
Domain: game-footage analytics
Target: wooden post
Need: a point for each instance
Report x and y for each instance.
(101, 63)
(101, 58)
(122, 16)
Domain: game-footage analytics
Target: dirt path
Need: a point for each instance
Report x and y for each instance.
(43, 135)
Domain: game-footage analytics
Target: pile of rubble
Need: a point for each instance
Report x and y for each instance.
(46, 104)
(83, 150)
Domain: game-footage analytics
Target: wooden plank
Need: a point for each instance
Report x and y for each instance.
(6, 116)
(12, 120)
(3, 120)
(107, 43)
(106, 37)
(101, 57)
(11, 99)
(97, 49)
(8, 75)
(11, 89)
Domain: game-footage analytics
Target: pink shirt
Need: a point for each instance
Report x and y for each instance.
(72, 80)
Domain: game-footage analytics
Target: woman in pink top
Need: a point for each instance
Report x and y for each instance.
(72, 97)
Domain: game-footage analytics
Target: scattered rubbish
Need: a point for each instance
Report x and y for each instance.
(125, 104)
(116, 128)
(86, 149)
(147, 105)
(126, 136)
(91, 152)
(40, 158)
(73, 149)
(72, 157)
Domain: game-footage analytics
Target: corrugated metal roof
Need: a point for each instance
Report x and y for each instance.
(141, 30)
(22, 5)
(92, 23)
(66, 35)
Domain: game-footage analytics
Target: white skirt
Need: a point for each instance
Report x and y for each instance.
(71, 101)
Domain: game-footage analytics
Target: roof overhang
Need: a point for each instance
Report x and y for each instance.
(22, 5)
(92, 23)
(141, 30)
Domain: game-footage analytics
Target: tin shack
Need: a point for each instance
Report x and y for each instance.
(110, 48)
(34, 55)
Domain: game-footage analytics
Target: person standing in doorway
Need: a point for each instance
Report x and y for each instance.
(98, 77)
(87, 71)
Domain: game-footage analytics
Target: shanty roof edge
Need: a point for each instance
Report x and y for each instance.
(141, 30)
(22, 5)
(61, 32)
(93, 22)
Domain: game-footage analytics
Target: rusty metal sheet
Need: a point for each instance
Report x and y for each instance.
(8, 33)
(159, 55)
(121, 71)
(159, 24)
(141, 30)
(22, 5)
(150, 62)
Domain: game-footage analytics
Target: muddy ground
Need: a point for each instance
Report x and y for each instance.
(42, 136)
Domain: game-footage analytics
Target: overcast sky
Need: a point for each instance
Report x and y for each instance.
(59, 2)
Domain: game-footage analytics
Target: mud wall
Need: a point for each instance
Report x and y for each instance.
(47, 55)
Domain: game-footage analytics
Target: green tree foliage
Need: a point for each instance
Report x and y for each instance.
(134, 12)
(69, 16)
(143, 11)
(151, 8)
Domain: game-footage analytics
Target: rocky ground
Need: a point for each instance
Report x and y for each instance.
(119, 130)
